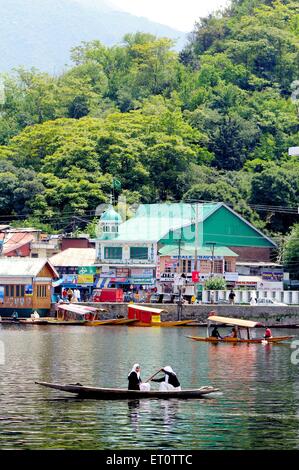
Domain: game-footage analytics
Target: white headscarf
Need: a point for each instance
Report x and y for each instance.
(134, 370)
(168, 369)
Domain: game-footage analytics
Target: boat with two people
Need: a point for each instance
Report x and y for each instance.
(240, 332)
(123, 394)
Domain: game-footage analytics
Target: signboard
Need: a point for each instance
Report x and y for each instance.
(87, 270)
(233, 277)
(171, 263)
(270, 285)
(141, 281)
(28, 290)
(141, 273)
(275, 275)
(85, 279)
(122, 272)
(195, 276)
(1, 294)
(70, 278)
(158, 268)
(123, 280)
(108, 273)
(206, 257)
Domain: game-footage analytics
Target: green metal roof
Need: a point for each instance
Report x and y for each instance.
(170, 250)
(169, 223)
(152, 222)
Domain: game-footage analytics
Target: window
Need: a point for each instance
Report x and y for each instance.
(9, 291)
(139, 252)
(187, 265)
(228, 266)
(41, 291)
(218, 266)
(113, 252)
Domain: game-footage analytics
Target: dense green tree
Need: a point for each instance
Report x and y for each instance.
(291, 252)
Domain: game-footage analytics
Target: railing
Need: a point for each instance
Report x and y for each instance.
(244, 296)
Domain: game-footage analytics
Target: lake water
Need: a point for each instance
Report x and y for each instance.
(258, 407)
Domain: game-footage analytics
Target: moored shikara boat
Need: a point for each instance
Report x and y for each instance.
(120, 393)
(74, 314)
(243, 332)
(150, 316)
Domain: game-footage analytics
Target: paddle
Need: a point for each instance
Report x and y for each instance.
(148, 380)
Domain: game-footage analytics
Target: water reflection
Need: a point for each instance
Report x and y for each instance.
(258, 406)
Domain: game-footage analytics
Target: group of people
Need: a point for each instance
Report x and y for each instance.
(234, 333)
(168, 381)
(71, 295)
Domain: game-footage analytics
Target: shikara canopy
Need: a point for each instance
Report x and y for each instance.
(80, 309)
(155, 311)
(233, 321)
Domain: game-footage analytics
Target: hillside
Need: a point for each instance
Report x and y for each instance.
(40, 33)
(141, 121)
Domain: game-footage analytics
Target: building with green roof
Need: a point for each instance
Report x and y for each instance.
(175, 230)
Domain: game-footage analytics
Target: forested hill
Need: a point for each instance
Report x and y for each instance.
(40, 33)
(212, 123)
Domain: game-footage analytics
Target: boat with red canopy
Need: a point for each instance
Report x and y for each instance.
(150, 316)
(242, 331)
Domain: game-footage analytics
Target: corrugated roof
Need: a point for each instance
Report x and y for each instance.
(28, 267)
(170, 250)
(15, 240)
(153, 221)
(75, 257)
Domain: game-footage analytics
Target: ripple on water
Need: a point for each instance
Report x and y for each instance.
(256, 408)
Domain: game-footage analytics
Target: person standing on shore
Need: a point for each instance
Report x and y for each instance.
(231, 297)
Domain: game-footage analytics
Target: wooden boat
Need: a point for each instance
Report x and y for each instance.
(24, 321)
(33, 321)
(74, 314)
(243, 332)
(150, 316)
(124, 394)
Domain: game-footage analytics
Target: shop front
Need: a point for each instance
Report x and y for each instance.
(80, 278)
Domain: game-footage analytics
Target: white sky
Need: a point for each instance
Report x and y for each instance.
(180, 14)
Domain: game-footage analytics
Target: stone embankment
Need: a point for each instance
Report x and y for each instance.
(279, 316)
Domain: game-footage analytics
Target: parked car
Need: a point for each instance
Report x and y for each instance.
(167, 298)
(270, 302)
(156, 298)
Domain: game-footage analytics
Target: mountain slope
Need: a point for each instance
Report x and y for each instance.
(40, 33)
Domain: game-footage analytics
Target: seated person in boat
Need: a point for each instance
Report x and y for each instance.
(268, 333)
(35, 315)
(169, 381)
(134, 378)
(135, 382)
(15, 315)
(234, 333)
(215, 333)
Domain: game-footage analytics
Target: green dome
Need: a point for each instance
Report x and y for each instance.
(111, 215)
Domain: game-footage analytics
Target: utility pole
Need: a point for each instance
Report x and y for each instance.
(213, 251)
(196, 237)
(180, 303)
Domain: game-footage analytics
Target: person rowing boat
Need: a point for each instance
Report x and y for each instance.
(169, 381)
